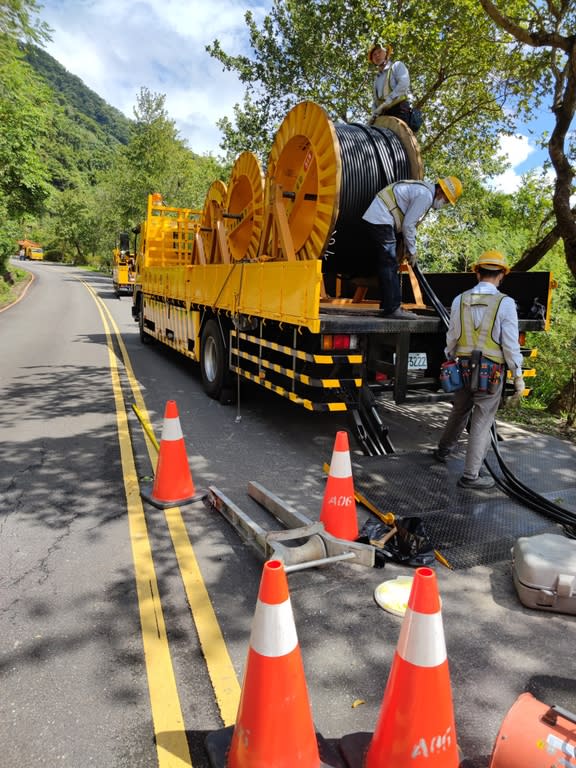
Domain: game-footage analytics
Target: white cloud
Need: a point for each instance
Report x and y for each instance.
(118, 46)
(516, 150)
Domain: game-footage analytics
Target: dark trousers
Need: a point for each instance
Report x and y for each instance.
(384, 237)
(401, 111)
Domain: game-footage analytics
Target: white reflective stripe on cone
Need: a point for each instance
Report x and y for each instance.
(421, 640)
(340, 465)
(273, 631)
(172, 430)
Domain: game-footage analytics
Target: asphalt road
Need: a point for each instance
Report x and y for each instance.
(76, 669)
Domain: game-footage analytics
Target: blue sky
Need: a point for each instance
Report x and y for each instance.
(118, 46)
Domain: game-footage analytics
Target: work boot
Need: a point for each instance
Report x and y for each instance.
(398, 314)
(441, 454)
(476, 483)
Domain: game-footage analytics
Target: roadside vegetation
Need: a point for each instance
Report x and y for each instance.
(74, 172)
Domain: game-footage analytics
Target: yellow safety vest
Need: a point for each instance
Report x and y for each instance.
(479, 338)
(389, 199)
(386, 91)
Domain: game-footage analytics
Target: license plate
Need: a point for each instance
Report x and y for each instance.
(417, 361)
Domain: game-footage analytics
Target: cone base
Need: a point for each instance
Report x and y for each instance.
(218, 745)
(354, 747)
(146, 494)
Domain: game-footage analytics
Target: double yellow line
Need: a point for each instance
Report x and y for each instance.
(169, 729)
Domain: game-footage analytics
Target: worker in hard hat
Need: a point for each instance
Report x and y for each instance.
(390, 90)
(483, 336)
(392, 217)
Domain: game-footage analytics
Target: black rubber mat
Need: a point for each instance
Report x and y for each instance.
(467, 527)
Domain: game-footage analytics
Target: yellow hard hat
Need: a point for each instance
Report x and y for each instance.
(452, 188)
(492, 260)
(374, 46)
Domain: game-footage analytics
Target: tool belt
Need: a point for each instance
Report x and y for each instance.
(479, 374)
(451, 376)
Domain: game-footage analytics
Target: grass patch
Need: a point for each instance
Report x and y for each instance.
(536, 418)
(12, 283)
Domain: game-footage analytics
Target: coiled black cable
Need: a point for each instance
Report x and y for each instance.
(371, 159)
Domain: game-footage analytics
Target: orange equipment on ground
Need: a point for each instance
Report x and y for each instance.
(173, 484)
(534, 735)
(339, 505)
(416, 726)
(274, 725)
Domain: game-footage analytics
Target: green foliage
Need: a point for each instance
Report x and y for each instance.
(81, 103)
(155, 160)
(556, 361)
(462, 72)
(85, 132)
(73, 170)
(18, 21)
(25, 111)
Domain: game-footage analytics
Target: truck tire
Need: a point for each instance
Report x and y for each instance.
(213, 364)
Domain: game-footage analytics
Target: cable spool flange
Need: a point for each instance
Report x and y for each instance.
(213, 207)
(305, 163)
(328, 175)
(244, 209)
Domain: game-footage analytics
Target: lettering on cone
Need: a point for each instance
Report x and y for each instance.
(340, 501)
(437, 744)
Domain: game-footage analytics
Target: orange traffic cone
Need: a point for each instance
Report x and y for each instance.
(274, 725)
(173, 483)
(339, 506)
(416, 724)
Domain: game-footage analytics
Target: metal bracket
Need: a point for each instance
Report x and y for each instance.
(317, 547)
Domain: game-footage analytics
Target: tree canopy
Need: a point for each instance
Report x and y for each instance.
(475, 73)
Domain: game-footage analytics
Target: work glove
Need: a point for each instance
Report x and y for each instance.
(519, 386)
(411, 258)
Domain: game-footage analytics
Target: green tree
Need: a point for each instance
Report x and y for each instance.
(25, 109)
(156, 159)
(18, 21)
(76, 225)
(547, 31)
(475, 70)
(318, 51)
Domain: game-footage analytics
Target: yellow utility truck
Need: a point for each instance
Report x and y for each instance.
(274, 280)
(32, 251)
(123, 268)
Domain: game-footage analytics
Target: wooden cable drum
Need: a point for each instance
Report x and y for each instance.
(329, 174)
(244, 208)
(213, 208)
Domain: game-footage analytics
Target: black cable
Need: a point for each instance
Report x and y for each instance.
(372, 158)
(509, 483)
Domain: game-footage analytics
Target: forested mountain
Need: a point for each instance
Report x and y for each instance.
(75, 96)
(86, 130)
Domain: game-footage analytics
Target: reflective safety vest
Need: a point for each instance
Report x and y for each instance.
(389, 199)
(481, 337)
(386, 90)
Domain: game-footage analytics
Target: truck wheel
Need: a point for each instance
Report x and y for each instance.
(213, 364)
